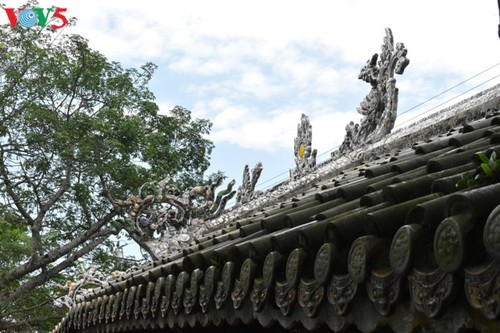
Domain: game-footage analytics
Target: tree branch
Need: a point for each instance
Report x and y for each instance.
(137, 238)
(53, 272)
(24, 310)
(10, 190)
(36, 228)
(54, 255)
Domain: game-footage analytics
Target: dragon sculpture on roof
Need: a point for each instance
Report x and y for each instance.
(379, 108)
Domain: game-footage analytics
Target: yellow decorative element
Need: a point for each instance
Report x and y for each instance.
(302, 150)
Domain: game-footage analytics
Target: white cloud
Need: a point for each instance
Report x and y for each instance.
(258, 85)
(252, 67)
(328, 81)
(329, 129)
(274, 129)
(236, 124)
(231, 117)
(445, 36)
(166, 106)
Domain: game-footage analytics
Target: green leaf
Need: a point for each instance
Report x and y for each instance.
(487, 170)
(483, 157)
(465, 181)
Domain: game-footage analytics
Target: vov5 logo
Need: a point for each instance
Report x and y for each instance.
(29, 17)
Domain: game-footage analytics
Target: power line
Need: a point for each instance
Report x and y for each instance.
(440, 104)
(281, 174)
(451, 88)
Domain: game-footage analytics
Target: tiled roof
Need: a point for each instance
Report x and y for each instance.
(392, 243)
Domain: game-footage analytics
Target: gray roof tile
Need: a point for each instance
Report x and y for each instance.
(391, 242)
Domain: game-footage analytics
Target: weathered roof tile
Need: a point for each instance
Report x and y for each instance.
(384, 244)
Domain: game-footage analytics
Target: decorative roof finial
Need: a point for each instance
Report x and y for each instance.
(305, 157)
(246, 191)
(379, 108)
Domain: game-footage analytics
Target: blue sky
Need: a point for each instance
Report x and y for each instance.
(252, 67)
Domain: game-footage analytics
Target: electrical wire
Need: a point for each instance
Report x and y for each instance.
(440, 104)
(451, 88)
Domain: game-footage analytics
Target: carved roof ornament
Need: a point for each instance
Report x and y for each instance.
(159, 206)
(86, 278)
(246, 191)
(379, 108)
(305, 157)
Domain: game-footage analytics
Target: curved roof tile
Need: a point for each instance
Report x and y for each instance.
(390, 244)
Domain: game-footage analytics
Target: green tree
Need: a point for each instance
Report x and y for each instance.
(76, 131)
(35, 309)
